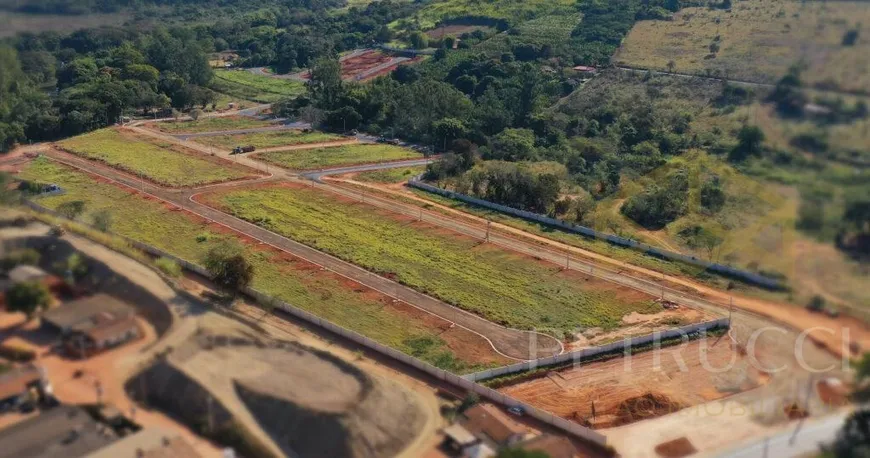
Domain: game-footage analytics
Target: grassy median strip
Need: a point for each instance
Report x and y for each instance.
(246, 85)
(498, 284)
(159, 162)
(149, 221)
(337, 156)
(269, 139)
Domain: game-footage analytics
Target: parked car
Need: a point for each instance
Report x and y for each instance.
(243, 149)
(393, 141)
(517, 410)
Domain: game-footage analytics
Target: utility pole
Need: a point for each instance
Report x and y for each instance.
(567, 260)
(488, 222)
(421, 214)
(663, 286)
(208, 402)
(730, 309)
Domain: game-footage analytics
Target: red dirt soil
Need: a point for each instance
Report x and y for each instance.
(387, 70)
(362, 62)
(624, 390)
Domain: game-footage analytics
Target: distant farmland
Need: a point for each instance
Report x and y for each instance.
(758, 40)
(162, 163)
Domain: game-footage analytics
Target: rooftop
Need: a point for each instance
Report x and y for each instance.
(460, 435)
(85, 313)
(553, 446)
(483, 419)
(148, 443)
(16, 380)
(62, 431)
(25, 273)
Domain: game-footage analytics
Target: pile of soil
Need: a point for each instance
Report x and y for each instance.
(645, 406)
(384, 421)
(677, 448)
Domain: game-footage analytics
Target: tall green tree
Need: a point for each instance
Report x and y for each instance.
(325, 87)
(28, 298)
(229, 268)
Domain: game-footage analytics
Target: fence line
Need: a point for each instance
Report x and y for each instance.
(577, 355)
(575, 429)
(748, 277)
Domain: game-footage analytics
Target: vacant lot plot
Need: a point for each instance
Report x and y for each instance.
(213, 124)
(510, 10)
(497, 284)
(163, 163)
(246, 85)
(758, 40)
(650, 384)
(300, 283)
(353, 66)
(269, 139)
(390, 176)
(335, 156)
(456, 30)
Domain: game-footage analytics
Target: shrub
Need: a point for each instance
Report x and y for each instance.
(850, 37)
(16, 353)
(27, 256)
(816, 304)
(168, 266)
(28, 298)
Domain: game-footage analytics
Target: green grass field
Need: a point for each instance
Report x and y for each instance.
(554, 31)
(500, 285)
(211, 125)
(390, 176)
(246, 85)
(318, 158)
(148, 221)
(511, 10)
(268, 139)
(759, 40)
(159, 162)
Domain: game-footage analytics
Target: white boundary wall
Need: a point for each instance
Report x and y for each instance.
(466, 385)
(585, 353)
(749, 277)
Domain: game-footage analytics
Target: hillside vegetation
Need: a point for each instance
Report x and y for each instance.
(759, 40)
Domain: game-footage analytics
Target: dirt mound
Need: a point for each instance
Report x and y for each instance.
(382, 424)
(170, 390)
(308, 402)
(649, 405)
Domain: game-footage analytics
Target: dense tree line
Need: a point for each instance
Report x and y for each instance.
(57, 86)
